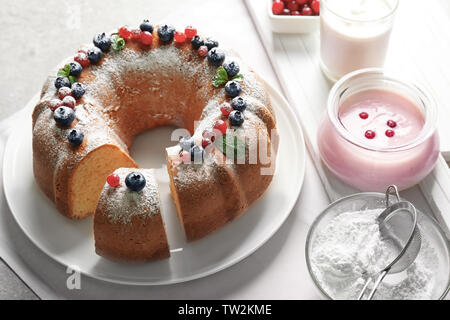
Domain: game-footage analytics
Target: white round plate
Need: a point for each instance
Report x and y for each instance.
(71, 243)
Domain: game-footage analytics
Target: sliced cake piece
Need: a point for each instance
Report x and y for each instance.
(127, 222)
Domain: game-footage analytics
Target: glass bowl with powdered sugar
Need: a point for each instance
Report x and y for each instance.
(344, 247)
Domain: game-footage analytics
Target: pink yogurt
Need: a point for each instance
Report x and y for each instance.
(403, 156)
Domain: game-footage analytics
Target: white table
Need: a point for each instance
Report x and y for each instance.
(275, 271)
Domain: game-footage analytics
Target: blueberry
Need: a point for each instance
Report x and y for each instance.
(233, 88)
(197, 154)
(75, 137)
(236, 118)
(78, 90)
(146, 26)
(186, 143)
(62, 82)
(197, 42)
(64, 116)
(237, 103)
(135, 181)
(103, 42)
(75, 69)
(216, 57)
(165, 33)
(232, 68)
(210, 43)
(95, 55)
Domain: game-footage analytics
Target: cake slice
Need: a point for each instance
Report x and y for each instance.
(127, 223)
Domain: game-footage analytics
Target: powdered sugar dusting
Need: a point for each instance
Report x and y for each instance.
(121, 204)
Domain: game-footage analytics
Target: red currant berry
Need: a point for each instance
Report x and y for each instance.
(69, 102)
(370, 134)
(82, 58)
(205, 142)
(64, 92)
(390, 133)
(207, 134)
(125, 32)
(315, 6)
(277, 7)
(136, 34)
(302, 2)
(391, 123)
(179, 37)
(185, 156)
(286, 12)
(190, 32)
(55, 104)
(295, 13)
(226, 108)
(203, 51)
(306, 11)
(221, 126)
(363, 115)
(113, 180)
(146, 38)
(293, 6)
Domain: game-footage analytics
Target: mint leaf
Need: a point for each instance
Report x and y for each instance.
(72, 79)
(238, 77)
(118, 43)
(220, 78)
(232, 146)
(64, 72)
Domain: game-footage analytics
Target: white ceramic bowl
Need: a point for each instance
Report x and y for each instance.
(292, 24)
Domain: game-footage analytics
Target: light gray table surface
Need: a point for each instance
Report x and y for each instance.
(37, 35)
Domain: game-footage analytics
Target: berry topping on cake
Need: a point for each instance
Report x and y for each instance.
(136, 34)
(203, 51)
(226, 109)
(117, 42)
(190, 32)
(113, 180)
(75, 69)
(390, 133)
(197, 154)
(197, 42)
(125, 32)
(206, 142)
(236, 118)
(82, 58)
(210, 43)
(369, 134)
(221, 126)
(64, 92)
(95, 55)
(135, 181)
(146, 26)
(69, 102)
(165, 33)
(187, 142)
(216, 57)
(102, 41)
(179, 37)
(208, 134)
(75, 137)
(64, 116)
(62, 81)
(78, 90)
(239, 104)
(391, 123)
(55, 104)
(232, 68)
(146, 38)
(233, 88)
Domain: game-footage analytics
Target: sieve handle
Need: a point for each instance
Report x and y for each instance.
(392, 190)
(375, 286)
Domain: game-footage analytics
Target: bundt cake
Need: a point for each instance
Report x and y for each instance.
(136, 79)
(128, 223)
